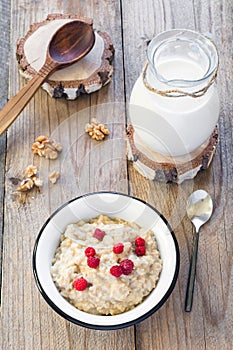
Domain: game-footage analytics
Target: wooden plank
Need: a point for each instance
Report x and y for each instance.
(216, 17)
(4, 44)
(28, 322)
(208, 326)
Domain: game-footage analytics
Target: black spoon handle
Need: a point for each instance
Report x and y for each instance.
(192, 273)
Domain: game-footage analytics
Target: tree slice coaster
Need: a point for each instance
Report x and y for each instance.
(85, 76)
(158, 167)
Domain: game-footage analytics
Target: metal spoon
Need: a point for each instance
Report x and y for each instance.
(70, 42)
(199, 209)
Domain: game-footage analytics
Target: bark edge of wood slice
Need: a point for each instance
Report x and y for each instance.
(88, 75)
(157, 167)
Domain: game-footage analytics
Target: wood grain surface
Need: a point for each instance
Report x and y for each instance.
(27, 322)
(4, 44)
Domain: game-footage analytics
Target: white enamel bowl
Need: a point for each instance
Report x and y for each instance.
(113, 205)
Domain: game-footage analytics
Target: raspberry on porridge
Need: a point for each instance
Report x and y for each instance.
(118, 248)
(89, 251)
(140, 251)
(80, 284)
(101, 276)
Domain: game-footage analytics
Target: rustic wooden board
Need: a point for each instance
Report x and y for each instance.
(5, 44)
(208, 326)
(27, 321)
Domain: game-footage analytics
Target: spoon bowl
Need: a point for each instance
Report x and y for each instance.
(70, 43)
(199, 210)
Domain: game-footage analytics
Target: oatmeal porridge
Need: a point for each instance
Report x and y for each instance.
(106, 266)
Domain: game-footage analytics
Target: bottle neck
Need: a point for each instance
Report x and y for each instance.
(181, 60)
(162, 88)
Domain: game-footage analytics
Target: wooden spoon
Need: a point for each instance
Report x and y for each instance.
(69, 44)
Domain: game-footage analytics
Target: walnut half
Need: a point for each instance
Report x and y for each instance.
(26, 185)
(30, 171)
(44, 146)
(96, 130)
(30, 179)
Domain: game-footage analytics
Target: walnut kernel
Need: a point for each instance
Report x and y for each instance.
(44, 146)
(30, 179)
(25, 185)
(54, 176)
(30, 171)
(96, 130)
(37, 181)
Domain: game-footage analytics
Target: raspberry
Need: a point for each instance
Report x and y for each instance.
(116, 270)
(139, 241)
(118, 248)
(99, 234)
(80, 284)
(93, 262)
(140, 251)
(127, 266)
(89, 251)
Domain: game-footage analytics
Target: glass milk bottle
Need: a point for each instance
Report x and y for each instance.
(174, 105)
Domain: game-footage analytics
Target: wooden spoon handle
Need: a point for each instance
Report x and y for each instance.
(13, 108)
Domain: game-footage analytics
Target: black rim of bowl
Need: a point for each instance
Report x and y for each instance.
(108, 327)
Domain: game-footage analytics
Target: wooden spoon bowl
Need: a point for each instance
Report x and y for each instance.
(70, 43)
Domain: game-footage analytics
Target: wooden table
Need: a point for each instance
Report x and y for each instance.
(28, 323)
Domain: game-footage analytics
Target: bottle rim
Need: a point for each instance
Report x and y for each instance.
(174, 34)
